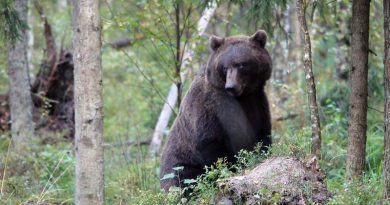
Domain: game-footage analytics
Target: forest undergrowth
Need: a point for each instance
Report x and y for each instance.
(133, 101)
(47, 176)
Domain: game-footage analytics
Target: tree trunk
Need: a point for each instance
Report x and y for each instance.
(342, 42)
(22, 126)
(172, 98)
(178, 60)
(310, 82)
(386, 163)
(88, 103)
(357, 125)
(30, 48)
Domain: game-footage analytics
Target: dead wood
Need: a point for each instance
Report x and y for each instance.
(278, 180)
(52, 90)
(48, 66)
(121, 43)
(5, 116)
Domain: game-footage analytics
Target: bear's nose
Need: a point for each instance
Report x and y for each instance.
(233, 90)
(230, 89)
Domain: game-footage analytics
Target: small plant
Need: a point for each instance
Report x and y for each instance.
(176, 174)
(247, 159)
(369, 191)
(206, 187)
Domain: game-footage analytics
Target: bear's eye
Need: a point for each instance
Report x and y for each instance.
(245, 64)
(223, 69)
(245, 67)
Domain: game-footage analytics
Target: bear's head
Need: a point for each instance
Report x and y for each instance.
(240, 64)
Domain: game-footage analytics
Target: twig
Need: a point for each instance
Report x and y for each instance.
(5, 168)
(51, 176)
(127, 143)
(45, 98)
(54, 182)
(288, 116)
(375, 109)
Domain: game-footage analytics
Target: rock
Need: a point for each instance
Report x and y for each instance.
(281, 180)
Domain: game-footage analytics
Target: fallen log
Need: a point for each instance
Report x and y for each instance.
(278, 180)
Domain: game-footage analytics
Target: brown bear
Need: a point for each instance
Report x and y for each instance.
(224, 111)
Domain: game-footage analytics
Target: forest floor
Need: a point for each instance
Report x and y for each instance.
(47, 175)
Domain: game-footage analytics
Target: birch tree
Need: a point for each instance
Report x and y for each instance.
(310, 82)
(357, 122)
(22, 126)
(386, 161)
(88, 103)
(172, 97)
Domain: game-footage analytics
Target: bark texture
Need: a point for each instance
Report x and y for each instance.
(310, 82)
(22, 126)
(88, 103)
(357, 123)
(386, 166)
(279, 180)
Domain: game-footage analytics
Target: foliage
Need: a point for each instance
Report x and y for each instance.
(47, 175)
(247, 159)
(10, 23)
(206, 188)
(137, 79)
(265, 14)
(369, 191)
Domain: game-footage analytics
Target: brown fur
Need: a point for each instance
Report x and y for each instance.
(224, 111)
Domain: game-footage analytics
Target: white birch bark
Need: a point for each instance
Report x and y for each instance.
(166, 112)
(22, 126)
(88, 103)
(30, 48)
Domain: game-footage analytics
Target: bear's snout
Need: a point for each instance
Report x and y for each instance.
(233, 84)
(233, 89)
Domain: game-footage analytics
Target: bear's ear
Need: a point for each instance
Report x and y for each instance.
(260, 38)
(216, 42)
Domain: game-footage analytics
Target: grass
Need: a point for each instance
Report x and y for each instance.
(47, 175)
(133, 179)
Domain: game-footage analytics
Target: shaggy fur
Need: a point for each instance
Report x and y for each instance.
(224, 111)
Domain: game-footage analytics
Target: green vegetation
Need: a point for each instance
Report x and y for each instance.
(136, 81)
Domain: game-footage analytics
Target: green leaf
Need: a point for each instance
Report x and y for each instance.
(178, 168)
(189, 181)
(174, 189)
(168, 176)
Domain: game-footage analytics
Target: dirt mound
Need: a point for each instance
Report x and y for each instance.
(280, 180)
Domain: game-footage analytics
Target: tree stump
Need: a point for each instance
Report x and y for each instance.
(280, 180)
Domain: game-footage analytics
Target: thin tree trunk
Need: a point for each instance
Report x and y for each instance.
(386, 163)
(22, 126)
(178, 61)
(88, 103)
(342, 43)
(310, 82)
(172, 98)
(357, 125)
(30, 49)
